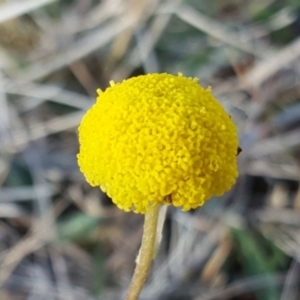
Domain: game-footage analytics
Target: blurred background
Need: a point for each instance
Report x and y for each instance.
(62, 239)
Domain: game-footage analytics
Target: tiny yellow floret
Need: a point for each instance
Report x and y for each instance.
(158, 139)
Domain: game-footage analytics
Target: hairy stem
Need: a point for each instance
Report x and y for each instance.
(145, 256)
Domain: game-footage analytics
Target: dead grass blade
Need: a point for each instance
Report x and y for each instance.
(138, 12)
(44, 92)
(261, 167)
(76, 51)
(146, 43)
(215, 29)
(41, 234)
(263, 70)
(21, 138)
(245, 285)
(13, 9)
(9, 194)
(277, 144)
(291, 286)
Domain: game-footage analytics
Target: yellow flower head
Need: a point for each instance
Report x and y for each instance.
(158, 139)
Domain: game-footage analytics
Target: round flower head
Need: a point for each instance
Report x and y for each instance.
(158, 139)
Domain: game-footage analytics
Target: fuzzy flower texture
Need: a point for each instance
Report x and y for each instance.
(158, 139)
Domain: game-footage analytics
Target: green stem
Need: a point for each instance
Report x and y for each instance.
(145, 256)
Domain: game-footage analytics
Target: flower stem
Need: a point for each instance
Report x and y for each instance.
(145, 256)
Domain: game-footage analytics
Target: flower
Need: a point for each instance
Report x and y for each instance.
(158, 139)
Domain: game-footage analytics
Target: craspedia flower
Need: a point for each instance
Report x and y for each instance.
(158, 139)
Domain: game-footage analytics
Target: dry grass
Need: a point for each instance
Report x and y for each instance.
(61, 239)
